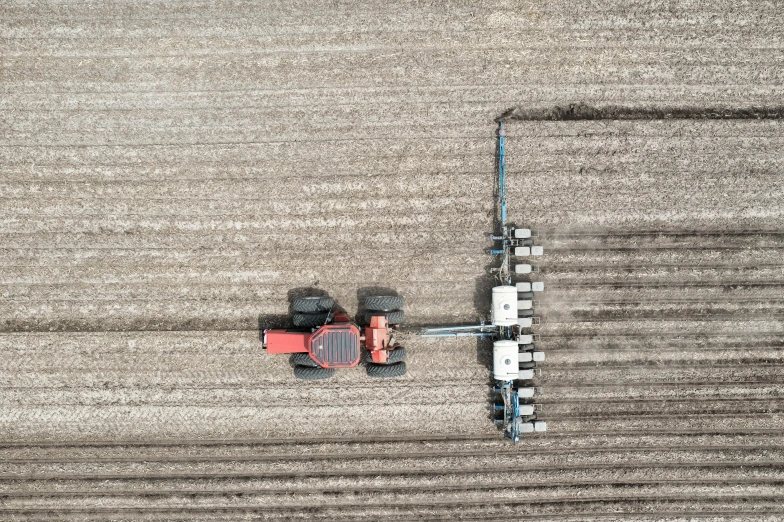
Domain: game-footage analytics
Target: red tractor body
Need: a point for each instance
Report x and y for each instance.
(324, 339)
(334, 345)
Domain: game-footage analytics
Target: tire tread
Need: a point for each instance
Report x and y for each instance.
(386, 371)
(383, 303)
(311, 320)
(313, 304)
(303, 359)
(309, 373)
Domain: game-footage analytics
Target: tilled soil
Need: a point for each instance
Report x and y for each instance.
(172, 174)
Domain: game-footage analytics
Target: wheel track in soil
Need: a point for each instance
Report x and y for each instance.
(736, 346)
(532, 485)
(618, 316)
(383, 455)
(664, 365)
(634, 335)
(406, 455)
(700, 300)
(680, 284)
(644, 473)
(674, 384)
(649, 416)
(332, 499)
(774, 464)
(613, 249)
(553, 268)
(662, 233)
(771, 515)
(740, 515)
(359, 439)
(562, 504)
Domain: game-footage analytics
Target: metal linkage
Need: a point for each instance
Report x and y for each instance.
(479, 330)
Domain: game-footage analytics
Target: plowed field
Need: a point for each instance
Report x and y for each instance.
(172, 173)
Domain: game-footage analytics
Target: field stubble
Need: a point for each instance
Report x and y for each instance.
(169, 175)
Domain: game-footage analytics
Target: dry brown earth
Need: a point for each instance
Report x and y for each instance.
(171, 171)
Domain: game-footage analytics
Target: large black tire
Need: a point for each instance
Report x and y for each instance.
(313, 304)
(394, 317)
(386, 371)
(310, 320)
(383, 303)
(303, 359)
(309, 373)
(395, 356)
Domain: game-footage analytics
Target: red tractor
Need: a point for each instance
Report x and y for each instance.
(324, 339)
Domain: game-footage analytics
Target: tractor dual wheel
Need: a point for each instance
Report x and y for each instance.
(303, 359)
(314, 320)
(310, 373)
(386, 371)
(393, 317)
(383, 303)
(313, 304)
(395, 356)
